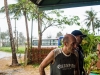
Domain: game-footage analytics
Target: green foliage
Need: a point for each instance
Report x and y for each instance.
(59, 20)
(18, 9)
(5, 49)
(91, 58)
(89, 45)
(8, 49)
(36, 65)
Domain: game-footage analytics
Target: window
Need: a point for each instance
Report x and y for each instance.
(46, 42)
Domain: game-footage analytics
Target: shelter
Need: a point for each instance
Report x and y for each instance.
(58, 4)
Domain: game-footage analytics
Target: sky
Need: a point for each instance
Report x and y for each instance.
(52, 31)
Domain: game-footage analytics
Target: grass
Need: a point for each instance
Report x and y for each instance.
(21, 49)
(35, 65)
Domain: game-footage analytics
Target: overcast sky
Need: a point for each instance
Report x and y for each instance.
(77, 11)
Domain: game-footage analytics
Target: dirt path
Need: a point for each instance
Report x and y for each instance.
(5, 62)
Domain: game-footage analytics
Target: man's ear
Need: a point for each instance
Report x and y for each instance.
(65, 44)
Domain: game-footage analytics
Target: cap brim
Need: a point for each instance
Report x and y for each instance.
(84, 35)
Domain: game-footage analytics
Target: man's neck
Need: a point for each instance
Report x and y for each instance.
(65, 51)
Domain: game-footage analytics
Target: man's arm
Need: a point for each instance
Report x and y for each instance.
(46, 62)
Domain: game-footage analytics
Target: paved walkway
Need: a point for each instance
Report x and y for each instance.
(7, 54)
(4, 54)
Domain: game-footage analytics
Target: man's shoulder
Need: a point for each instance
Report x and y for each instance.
(57, 51)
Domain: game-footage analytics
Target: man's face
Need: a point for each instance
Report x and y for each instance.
(71, 46)
(79, 39)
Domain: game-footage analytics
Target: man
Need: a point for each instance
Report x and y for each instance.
(62, 60)
(79, 37)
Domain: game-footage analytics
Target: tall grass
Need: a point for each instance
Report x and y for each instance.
(21, 49)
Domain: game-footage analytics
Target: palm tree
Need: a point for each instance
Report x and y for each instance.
(21, 8)
(14, 58)
(91, 19)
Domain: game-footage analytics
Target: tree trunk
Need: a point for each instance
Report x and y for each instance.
(39, 31)
(14, 57)
(40, 35)
(93, 27)
(31, 54)
(28, 44)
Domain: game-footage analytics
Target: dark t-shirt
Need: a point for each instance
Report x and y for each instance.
(63, 64)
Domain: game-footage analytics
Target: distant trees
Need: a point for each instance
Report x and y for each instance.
(21, 39)
(5, 38)
(59, 34)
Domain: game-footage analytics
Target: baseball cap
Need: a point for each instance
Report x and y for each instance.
(78, 32)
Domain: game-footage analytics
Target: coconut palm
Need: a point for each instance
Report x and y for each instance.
(19, 9)
(14, 58)
(91, 20)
